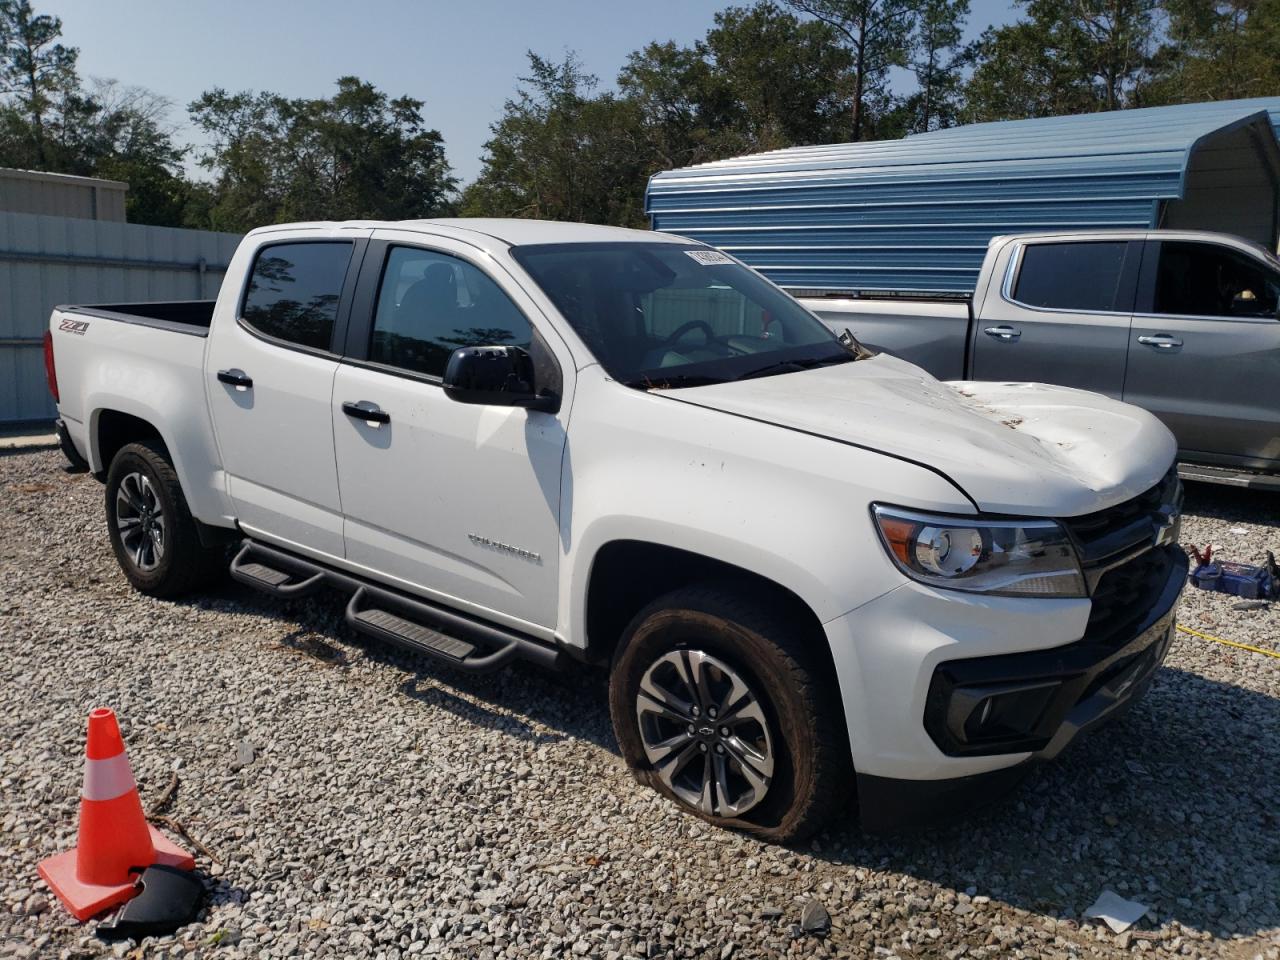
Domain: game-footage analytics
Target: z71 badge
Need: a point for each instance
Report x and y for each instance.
(78, 327)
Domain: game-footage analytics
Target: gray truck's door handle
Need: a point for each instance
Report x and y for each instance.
(1161, 341)
(1003, 332)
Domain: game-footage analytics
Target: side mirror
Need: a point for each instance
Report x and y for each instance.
(499, 376)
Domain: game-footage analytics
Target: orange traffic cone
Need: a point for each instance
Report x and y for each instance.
(115, 837)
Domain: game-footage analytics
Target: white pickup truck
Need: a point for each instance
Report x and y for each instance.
(817, 576)
(1183, 323)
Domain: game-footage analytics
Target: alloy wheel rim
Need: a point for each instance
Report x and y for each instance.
(140, 521)
(705, 733)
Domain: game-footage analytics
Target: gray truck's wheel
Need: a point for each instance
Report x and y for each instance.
(721, 707)
(150, 526)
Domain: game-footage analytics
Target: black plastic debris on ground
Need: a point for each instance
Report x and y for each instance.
(170, 899)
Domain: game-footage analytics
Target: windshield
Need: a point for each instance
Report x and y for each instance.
(665, 315)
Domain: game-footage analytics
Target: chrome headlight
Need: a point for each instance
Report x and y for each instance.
(1015, 558)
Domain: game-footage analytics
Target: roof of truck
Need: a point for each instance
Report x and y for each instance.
(520, 232)
(510, 231)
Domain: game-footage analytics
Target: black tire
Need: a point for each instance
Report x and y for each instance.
(759, 641)
(182, 563)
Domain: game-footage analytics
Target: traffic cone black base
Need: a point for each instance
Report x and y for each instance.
(84, 900)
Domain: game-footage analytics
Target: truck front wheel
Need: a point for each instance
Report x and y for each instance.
(150, 525)
(722, 707)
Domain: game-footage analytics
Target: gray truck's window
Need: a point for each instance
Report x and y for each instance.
(1207, 280)
(294, 291)
(1071, 276)
(430, 304)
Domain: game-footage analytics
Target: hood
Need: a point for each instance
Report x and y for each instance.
(1024, 448)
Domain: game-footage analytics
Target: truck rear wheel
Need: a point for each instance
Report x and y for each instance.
(719, 706)
(150, 525)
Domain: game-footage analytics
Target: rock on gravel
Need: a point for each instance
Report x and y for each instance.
(394, 809)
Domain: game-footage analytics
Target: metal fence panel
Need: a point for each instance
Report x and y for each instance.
(46, 261)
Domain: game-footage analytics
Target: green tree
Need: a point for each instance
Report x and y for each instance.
(876, 34)
(562, 152)
(683, 105)
(359, 154)
(50, 121)
(937, 58)
(1217, 50)
(780, 78)
(1068, 56)
(38, 76)
(124, 134)
(760, 79)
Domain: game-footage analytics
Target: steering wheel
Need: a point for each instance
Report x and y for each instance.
(679, 332)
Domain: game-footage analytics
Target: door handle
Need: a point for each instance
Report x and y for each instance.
(1003, 332)
(236, 377)
(1161, 341)
(367, 411)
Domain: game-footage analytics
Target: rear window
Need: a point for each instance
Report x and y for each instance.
(1071, 276)
(294, 290)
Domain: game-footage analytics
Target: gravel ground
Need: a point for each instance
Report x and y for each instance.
(394, 809)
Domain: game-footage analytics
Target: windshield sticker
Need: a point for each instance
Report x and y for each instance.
(709, 258)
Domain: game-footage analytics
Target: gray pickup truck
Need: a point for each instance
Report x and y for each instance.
(1183, 323)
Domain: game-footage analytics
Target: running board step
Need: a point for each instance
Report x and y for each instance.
(389, 626)
(301, 579)
(1229, 477)
(376, 621)
(451, 636)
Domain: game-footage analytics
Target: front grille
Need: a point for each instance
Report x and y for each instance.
(1125, 595)
(1113, 529)
(1126, 569)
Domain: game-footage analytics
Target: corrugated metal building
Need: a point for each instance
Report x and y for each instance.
(62, 195)
(45, 261)
(916, 214)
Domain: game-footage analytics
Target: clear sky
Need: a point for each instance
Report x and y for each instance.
(462, 57)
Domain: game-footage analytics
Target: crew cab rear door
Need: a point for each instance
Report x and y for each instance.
(1205, 350)
(457, 502)
(1060, 314)
(269, 379)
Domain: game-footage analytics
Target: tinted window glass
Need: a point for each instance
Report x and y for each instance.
(294, 290)
(430, 304)
(661, 313)
(1206, 280)
(1071, 276)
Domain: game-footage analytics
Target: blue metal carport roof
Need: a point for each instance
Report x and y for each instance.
(917, 213)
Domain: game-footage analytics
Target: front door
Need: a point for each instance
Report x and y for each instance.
(456, 502)
(269, 380)
(1205, 350)
(1061, 316)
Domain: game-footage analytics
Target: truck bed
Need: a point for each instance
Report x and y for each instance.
(141, 360)
(931, 332)
(191, 317)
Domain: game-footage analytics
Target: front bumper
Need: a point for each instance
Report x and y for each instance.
(1031, 704)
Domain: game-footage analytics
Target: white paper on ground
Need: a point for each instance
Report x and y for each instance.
(1115, 911)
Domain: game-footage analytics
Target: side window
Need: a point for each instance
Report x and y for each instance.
(1072, 276)
(430, 304)
(294, 290)
(1207, 280)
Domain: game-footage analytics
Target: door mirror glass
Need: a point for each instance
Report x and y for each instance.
(500, 376)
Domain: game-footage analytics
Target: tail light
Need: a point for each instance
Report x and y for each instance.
(50, 371)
